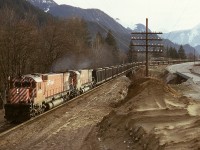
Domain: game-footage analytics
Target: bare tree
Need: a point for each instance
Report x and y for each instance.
(52, 44)
(16, 45)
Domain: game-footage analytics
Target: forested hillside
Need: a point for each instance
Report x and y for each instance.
(22, 8)
(33, 41)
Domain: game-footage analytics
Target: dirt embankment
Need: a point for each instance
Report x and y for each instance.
(153, 116)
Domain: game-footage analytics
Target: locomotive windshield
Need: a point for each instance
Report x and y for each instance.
(26, 84)
(18, 84)
(22, 84)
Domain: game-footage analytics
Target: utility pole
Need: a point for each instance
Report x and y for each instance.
(147, 53)
(194, 56)
(147, 45)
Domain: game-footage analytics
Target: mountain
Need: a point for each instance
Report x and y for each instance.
(22, 7)
(191, 36)
(139, 28)
(43, 4)
(94, 15)
(104, 22)
(97, 20)
(167, 43)
(188, 49)
(197, 48)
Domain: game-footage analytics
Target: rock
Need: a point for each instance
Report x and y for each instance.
(130, 133)
(144, 146)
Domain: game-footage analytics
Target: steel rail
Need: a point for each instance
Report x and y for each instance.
(77, 97)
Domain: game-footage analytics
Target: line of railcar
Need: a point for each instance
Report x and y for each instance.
(32, 94)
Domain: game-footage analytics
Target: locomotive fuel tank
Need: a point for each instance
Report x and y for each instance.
(54, 103)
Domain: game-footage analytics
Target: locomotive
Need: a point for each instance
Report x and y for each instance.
(32, 94)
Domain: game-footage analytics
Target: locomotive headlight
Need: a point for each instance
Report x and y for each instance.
(17, 91)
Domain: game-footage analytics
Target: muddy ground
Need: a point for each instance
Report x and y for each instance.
(2, 120)
(137, 113)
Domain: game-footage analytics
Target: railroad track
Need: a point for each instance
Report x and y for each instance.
(7, 127)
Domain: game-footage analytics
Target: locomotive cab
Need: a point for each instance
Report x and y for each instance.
(19, 99)
(80, 81)
(20, 92)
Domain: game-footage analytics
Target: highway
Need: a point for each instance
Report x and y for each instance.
(187, 71)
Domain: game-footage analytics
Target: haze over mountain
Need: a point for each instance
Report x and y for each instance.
(43, 4)
(190, 36)
(166, 42)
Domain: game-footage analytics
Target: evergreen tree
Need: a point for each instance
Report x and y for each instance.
(98, 50)
(157, 52)
(167, 52)
(110, 40)
(98, 41)
(181, 53)
(173, 53)
(131, 55)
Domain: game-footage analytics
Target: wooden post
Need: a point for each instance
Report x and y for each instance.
(147, 54)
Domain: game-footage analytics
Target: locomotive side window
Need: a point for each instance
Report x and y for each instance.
(26, 84)
(18, 84)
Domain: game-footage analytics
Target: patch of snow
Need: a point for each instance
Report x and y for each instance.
(134, 27)
(182, 35)
(193, 34)
(47, 10)
(121, 22)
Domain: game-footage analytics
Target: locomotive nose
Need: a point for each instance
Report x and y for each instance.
(19, 95)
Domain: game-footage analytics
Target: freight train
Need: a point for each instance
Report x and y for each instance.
(32, 94)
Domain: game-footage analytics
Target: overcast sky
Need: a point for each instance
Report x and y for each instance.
(163, 15)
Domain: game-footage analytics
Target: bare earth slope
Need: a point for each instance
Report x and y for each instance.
(154, 116)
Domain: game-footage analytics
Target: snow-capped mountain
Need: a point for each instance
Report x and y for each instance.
(139, 28)
(98, 21)
(191, 36)
(43, 4)
(167, 43)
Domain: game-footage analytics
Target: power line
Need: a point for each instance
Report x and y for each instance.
(147, 44)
